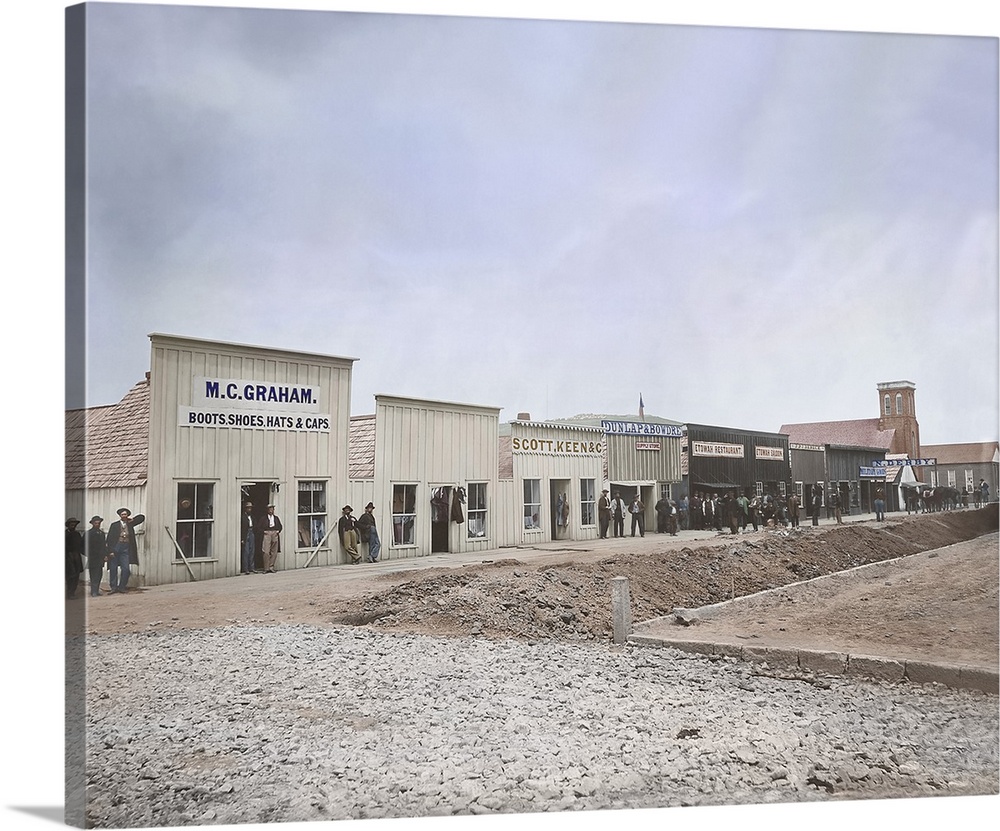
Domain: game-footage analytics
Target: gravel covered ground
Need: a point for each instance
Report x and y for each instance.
(298, 722)
(490, 684)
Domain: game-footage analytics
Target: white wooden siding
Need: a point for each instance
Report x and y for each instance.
(434, 444)
(227, 457)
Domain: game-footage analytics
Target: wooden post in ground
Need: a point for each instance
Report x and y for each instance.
(621, 609)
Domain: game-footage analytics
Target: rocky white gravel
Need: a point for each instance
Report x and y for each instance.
(292, 723)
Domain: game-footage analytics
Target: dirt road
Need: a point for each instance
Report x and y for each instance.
(942, 607)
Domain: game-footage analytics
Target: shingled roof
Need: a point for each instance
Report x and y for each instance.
(361, 447)
(862, 432)
(108, 446)
(505, 458)
(971, 453)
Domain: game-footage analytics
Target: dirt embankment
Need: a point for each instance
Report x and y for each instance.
(571, 599)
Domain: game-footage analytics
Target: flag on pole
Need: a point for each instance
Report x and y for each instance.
(642, 412)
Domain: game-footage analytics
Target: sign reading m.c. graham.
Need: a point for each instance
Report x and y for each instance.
(247, 404)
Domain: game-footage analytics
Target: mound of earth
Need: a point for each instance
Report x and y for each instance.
(570, 599)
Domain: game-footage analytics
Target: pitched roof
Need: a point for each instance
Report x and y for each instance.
(977, 452)
(108, 446)
(861, 432)
(361, 447)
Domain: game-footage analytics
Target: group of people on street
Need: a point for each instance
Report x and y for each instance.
(706, 510)
(350, 531)
(364, 529)
(115, 549)
(612, 512)
(268, 527)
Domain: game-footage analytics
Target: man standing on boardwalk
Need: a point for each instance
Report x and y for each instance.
(604, 513)
(269, 527)
(123, 553)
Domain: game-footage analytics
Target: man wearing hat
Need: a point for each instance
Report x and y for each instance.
(122, 550)
(96, 546)
(369, 532)
(247, 540)
(74, 557)
(347, 528)
(269, 527)
(604, 513)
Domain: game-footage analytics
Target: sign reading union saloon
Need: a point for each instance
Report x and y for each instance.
(243, 404)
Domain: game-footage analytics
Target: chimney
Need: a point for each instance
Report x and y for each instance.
(524, 416)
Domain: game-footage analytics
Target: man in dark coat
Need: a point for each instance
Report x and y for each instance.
(95, 545)
(123, 553)
(368, 531)
(74, 556)
(662, 508)
(347, 528)
(604, 514)
(247, 541)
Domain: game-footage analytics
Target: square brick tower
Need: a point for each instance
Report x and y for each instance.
(898, 411)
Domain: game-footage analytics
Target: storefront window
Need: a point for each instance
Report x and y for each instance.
(477, 510)
(404, 500)
(587, 502)
(312, 514)
(532, 502)
(195, 519)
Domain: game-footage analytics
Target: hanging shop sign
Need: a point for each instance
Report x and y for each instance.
(710, 448)
(253, 405)
(641, 428)
(769, 453)
(556, 446)
(871, 472)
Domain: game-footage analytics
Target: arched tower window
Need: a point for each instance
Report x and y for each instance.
(899, 403)
(888, 405)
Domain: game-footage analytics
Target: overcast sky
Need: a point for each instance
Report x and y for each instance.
(747, 227)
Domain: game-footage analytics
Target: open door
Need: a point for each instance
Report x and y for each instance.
(559, 508)
(440, 519)
(259, 494)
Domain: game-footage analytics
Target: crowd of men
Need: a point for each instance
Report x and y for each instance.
(115, 550)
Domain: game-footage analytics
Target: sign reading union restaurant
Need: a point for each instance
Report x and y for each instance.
(232, 402)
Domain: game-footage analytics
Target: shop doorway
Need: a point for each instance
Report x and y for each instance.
(647, 493)
(559, 508)
(440, 519)
(258, 493)
(845, 498)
